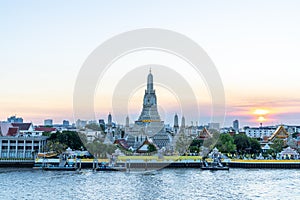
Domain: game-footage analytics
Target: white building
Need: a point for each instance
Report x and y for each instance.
(91, 135)
(20, 140)
(260, 132)
(21, 146)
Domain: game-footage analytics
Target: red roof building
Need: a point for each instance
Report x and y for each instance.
(13, 131)
(45, 129)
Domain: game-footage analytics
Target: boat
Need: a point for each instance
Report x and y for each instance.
(105, 167)
(55, 162)
(216, 163)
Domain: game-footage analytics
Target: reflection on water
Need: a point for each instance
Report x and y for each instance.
(163, 184)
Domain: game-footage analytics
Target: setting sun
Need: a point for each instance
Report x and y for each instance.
(261, 119)
(261, 112)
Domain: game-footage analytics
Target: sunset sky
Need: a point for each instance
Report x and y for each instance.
(255, 46)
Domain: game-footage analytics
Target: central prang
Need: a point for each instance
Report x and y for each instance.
(149, 112)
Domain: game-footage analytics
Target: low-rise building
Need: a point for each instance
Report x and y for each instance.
(259, 132)
(20, 140)
(21, 146)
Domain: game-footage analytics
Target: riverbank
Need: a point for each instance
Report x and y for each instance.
(154, 164)
(159, 164)
(21, 163)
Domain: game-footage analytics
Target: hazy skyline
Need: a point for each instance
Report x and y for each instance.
(254, 45)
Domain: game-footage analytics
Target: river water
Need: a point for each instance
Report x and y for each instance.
(162, 184)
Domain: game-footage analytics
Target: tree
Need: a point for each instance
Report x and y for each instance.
(99, 149)
(48, 134)
(210, 142)
(195, 145)
(151, 148)
(277, 145)
(291, 142)
(68, 138)
(55, 146)
(182, 143)
(242, 143)
(225, 144)
(255, 146)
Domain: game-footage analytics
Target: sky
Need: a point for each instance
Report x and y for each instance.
(254, 45)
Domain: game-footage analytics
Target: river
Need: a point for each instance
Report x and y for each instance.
(162, 184)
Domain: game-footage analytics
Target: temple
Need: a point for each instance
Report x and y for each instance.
(149, 112)
(149, 126)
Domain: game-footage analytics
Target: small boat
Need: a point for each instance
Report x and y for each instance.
(215, 168)
(105, 167)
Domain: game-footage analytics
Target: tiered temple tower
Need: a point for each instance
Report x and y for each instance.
(176, 125)
(182, 127)
(149, 124)
(149, 112)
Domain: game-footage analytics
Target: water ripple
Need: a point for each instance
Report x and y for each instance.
(162, 184)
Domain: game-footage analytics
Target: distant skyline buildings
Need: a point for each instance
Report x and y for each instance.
(15, 119)
(251, 130)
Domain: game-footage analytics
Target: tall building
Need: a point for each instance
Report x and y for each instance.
(66, 123)
(236, 125)
(48, 122)
(102, 124)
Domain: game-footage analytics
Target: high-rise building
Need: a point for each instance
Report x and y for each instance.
(236, 125)
(102, 124)
(66, 123)
(48, 122)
